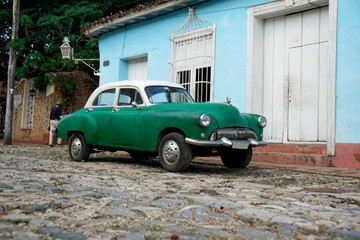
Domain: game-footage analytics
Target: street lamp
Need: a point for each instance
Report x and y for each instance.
(67, 52)
(66, 49)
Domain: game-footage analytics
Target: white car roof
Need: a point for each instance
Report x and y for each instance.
(140, 84)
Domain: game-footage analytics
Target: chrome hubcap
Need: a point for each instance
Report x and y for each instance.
(171, 152)
(75, 147)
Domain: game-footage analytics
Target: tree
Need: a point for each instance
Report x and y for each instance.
(43, 25)
(5, 35)
(35, 49)
(11, 77)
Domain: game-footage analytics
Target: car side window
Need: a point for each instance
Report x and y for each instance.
(138, 98)
(128, 95)
(105, 98)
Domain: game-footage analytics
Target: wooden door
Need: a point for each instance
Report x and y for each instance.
(295, 76)
(307, 76)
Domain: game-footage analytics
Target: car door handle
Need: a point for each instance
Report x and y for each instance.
(89, 109)
(115, 110)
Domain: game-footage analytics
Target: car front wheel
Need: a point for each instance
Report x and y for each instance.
(174, 153)
(236, 158)
(78, 148)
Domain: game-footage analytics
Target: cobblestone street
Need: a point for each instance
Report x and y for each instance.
(44, 195)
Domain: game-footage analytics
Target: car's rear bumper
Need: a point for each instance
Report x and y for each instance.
(225, 142)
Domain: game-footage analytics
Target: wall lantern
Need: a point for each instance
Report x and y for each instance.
(66, 49)
(67, 52)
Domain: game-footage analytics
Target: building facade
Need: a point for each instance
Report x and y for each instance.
(293, 61)
(32, 107)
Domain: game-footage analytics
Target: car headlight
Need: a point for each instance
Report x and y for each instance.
(205, 120)
(262, 121)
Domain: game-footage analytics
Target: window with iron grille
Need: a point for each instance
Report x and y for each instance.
(192, 57)
(203, 84)
(183, 77)
(29, 104)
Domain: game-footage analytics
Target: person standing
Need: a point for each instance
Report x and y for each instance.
(55, 116)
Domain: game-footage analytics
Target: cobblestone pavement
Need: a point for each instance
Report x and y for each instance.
(44, 195)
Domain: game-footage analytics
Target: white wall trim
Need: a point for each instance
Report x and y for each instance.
(254, 61)
(249, 57)
(280, 8)
(332, 77)
(136, 57)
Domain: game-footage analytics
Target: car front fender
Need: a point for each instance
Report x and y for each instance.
(186, 122)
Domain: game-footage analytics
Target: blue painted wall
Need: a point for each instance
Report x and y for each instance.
(348, 72)
(152, 37)
(230, 17)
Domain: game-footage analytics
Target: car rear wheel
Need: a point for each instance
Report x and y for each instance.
(78, 148)
(236, 158)
(174, 153)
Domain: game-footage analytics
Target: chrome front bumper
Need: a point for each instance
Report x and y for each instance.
(225, 142)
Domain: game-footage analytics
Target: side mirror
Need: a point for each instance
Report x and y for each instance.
(134, 104)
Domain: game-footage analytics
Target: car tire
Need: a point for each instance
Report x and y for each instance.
(174, 153)
(78, 148)
(236, 158)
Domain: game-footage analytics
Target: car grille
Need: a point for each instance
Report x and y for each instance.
(233, 134)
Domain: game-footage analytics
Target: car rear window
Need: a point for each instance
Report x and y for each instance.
(105, 98)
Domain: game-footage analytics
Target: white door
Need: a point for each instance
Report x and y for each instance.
(295, 76)
(137, 69)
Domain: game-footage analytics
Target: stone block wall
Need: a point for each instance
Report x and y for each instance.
(43, 102)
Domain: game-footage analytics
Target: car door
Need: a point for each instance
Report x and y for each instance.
(125, 122)
(101, 111)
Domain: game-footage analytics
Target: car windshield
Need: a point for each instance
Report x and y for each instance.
(165, 94)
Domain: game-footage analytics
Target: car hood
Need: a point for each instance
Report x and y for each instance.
(226, 115)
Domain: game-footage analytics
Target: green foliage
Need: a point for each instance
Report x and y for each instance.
(19, 44)
(26, 21)
(42, 26)
(33, 60)
(5, 34)
(67, 83)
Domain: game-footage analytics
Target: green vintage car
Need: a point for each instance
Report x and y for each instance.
(149, 118)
